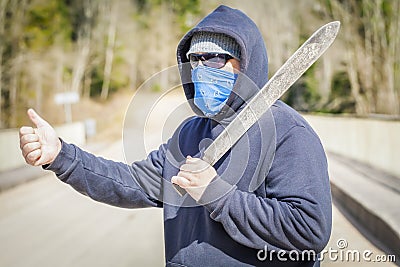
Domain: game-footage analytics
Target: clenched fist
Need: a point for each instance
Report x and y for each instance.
(194, 176)
(39, 145)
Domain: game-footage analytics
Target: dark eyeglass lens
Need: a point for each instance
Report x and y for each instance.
(209, 60)
(216, 62)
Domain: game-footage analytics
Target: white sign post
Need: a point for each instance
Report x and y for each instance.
(67, 99)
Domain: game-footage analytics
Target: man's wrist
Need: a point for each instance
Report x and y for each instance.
(57, 152)
(59, 146)
(64, 159)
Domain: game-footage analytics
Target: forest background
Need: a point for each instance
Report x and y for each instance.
(98, 47)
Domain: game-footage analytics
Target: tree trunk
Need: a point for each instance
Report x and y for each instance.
(17, 57)
(3, 5)
(1, 87)
(164, 34)
(39, 88)
(386, 100)
(326, 81)
(394, 58)
(80, 65)
(396, 53)
(361, 107)
(109, 51)
(84, 43)
(87, 82)
(14, 84)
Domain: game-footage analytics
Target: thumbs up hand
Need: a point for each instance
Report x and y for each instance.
(39, 145)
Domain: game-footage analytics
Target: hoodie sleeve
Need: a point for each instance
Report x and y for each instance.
(110, 182)
(296, 212)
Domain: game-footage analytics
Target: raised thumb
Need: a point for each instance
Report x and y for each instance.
(36, 119)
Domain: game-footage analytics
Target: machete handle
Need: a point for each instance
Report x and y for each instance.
(209, 158)
(181, 192)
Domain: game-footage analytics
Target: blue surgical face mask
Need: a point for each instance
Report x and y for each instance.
(212, 88)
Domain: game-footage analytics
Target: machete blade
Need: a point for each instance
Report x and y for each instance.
(285, 77)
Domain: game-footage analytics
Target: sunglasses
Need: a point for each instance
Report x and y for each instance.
(213, 60)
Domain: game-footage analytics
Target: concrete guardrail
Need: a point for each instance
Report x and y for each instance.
(371, 141)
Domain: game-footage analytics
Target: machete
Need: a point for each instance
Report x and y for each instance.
(287, 74)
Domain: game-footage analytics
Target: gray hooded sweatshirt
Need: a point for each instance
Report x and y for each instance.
(270, 204)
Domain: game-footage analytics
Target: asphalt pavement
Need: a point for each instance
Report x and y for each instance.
(45, 222)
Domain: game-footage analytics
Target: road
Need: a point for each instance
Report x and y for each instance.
(46, 223)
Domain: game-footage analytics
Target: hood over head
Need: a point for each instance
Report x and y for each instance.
(253, 59)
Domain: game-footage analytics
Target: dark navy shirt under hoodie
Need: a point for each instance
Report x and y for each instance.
(272, 191)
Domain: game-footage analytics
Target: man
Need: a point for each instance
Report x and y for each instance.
(269, 194)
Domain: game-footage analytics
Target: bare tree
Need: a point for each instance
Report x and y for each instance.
(112, 29)
(83, 43)
(3, 6)
(395, 49)
(352, 45)
(370, 30)
(18, 8)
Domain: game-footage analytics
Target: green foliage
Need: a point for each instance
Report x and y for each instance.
(183, 11)
(156, 88)
(97, 82)
(340, 98)
(304, 94)
(83, 15)
(340, 85)
(47, 23)
(312, 95)
(97, 79)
